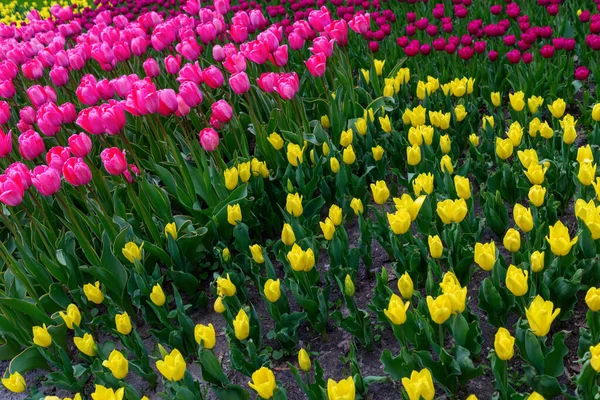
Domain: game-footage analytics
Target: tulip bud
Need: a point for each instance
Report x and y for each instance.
(349, 286)
(504, 344)
(304, 360)
(158, 296)
(406, 286)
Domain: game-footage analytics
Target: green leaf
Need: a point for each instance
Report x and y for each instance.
(28, 360)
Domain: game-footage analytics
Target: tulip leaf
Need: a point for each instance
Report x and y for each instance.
(231, 392)
(554, 363)
(29, 359)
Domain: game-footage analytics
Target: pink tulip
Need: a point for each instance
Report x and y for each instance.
(80, 144)
(270, 39)
(280, 56)
(113, 117)
(255, 51)
(182, 108)
(287, 85)
(46, 180)
(207, 32)
(33, 69)
(582, 73)
(190, 72)
(37, 95)
(191, 94)
(49, 119)
(103, 53)
(4, 112)
(209, 139)
(114, 160)
(222, 111)
(317, 64)
(19, 172)
(127, 173)
(213, 77)
(338, 31)
(191, 7)
(235, 63)
(322, 45)
(31, 144)
(87, 92)
(5, 143)
(296, 41)
(239, 83)
(8, 70)
(222, 6)
(239, 33)
(319, 19)
(218, 53)
(139, 46)
(59, 76)
(123, 84)
(121, 51)
(142, 99)
(27, 114)
(68, 112)
(11, 192)
(151, 68)
(56, 157)
(90, 119)
(7, 89)
(167, 102)
(76, 171)
(360, 23)
(189, 49)
(172, 64)
(105, 89)
(267, 81)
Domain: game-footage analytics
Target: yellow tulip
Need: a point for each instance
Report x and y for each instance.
(86, 344)
(534, 102)
(504, 344)
(304, 360)
(334, 164)
(436, 248)
(523, 217)
(295, 154)
(536, 173)
(528, 157)
(440, 309)
(535, 396)
(348, 155)
(15, 383)
(386, 124)
(301, 260)
(458, 87)
(293, 204)
(132, 252)
(231, 178)
(171, 230)
(257, 253)
(377, 152)
(451, 211)
(342, 390)
(423, 183)
(346, 138)
(407, 203)
(276, 140)
(388, 90)
(415, 137)
(225, 287)
(365, 74)
(584, 154)
(517, 101)
(488, 120)
(515, 133)
(241, 325)
(537, 261)
(218, 306)
(445, 144)
(72, 316)
(536, 195)
(117, 364)
(93, 292)
(592, 299)
(403, 75)
(417, 115)
(335, 214)
(546, 131)
(454, 292)
(173, 366)
(419, 385)
(357, 206)
(328, 228)
(462, 186)
(406, 286)
(587, 173)
(485, 255)
(512, 240)
(325, 121)
(272, 290)
(540, 315)
(287, 235)
(516, 281)
(379, 66)
(413, 155)
(244, 170)
(396, 310)
(234, 214)
(123, 323)
(474, 139)
(496, 99)
(557, 108)
(534, 127)
(427, 134)
(349, 288)
(595, 360)
(361, 126)
(41, 336)
(504, 148)
(559, 239)
(205, 335)
(596, 112)
(103, 393)
(399, 221)
(380, 191)
(158, 296)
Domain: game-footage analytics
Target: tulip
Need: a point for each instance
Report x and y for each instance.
(123, 323)
(451, 211)
(102, 393)
(293, 204)
(559, 239)
(587, 173)
(257, 254)
(386, 124)
(41, 336)
(463, 187)
(226, 254)
(523, 217)
(5, 143)
(276, 141)
(348, 155)
(349, 288)
(225, 287)
(15, 383)
(205, 335)
(241, 325)
(540, 315)
(132, 252)
(396, 311)
(440, 309)
(423, 183)
(413, 155)
(31, 144)
(512, 240)
(517, 101)
(328, 228)
(304, 360)
(86, 345)
(361, 126)
(536, 195)
(557, 108)
(263, 382)
(231, 178)
(117, 364)
(516, 281)
(595, 360)
(380, 191)
(272, 290)
(46, 180)
(346, 138)
(454, 292)
(218, 306)
(234, 214)
(496, 99)
(301, 260)
(357, 206)
(592, 299)
(487, 120)
(536, 173)
(399, 221)
(342, 390)
(93, 292)
(317, 64)
(504, 148)
(406, 286)
(504, 344)
(71, 316)
(294, 154)
(157, 296)
(419, 385)
(287, 235)
(173, 366)
(596, 112)
(436, 247)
